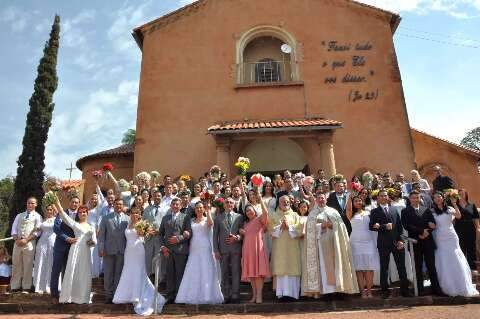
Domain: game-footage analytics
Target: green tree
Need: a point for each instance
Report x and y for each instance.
(31, 163)
(6, 196)
(472, 139)
(129, 137)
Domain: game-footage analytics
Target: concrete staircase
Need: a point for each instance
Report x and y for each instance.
(41, 304)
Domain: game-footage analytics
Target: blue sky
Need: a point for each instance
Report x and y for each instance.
(99, 65)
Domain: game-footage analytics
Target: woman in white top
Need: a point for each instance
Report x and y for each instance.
(363, 244)
(44, 252)
(77, 281)
(454, 274)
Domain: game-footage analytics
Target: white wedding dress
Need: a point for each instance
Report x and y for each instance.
(44, 257)
(134, 285)
(453, 271)
(77, 281)
(200, 283)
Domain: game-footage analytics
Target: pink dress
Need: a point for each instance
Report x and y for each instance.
(254, 256)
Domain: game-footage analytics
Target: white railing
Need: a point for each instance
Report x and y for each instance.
(265, 72)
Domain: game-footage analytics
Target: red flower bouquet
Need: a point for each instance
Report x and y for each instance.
(257, 180)
(107, 167)
(219, 202)
(208, 195)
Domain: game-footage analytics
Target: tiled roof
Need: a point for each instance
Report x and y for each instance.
(469, 150)
(274, 125)
(72, 183)
(123, 150)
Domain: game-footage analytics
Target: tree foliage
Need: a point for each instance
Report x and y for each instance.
(6, 196)
(31, 163)
(472, 139)
(129, 137)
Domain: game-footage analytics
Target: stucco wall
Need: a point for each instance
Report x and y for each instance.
(123, 168)
(457, 164)
(187, 83)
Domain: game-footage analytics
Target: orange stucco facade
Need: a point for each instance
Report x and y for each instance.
(202, 65)
(190, 79)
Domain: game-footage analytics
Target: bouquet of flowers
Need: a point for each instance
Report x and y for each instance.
(155, 174)
(142, 227)
(124, 185)
(107, 167)
(356, 188)
(451, 194)
(367, 179)
(215, 172)
(338, 178)
(98, 174)
(48, 199)
(218, 203)
(72, 192)
(374, 193)
(393, 193)
(242, 165)
(308, 182)
(143, 177)
(207, 196)
(185, 178)
(257, 180)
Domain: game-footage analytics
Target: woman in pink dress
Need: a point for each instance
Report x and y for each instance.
(255, 266)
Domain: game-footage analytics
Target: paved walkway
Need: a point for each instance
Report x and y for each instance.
(430, 312)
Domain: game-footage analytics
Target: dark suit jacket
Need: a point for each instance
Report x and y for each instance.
(63, 231)
(443, 182)
(386, 238)
(332, 202)
(169, 228)
(415, 224)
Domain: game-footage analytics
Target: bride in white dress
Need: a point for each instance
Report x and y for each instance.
(200, 283)
(454, 274)
(44, 253)
(77, 281)
(134, 285)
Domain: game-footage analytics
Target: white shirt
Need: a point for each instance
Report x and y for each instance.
(37, 220)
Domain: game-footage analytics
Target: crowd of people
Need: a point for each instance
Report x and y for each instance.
(311, 236)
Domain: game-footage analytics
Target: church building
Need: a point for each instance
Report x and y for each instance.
(290, 84)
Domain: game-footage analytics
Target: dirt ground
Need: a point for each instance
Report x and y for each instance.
(431, 312)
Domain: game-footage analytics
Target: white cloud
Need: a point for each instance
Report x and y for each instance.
(72, 33)
(15, 18)
(95, 125)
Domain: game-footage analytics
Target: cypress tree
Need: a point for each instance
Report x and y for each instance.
(30, 175)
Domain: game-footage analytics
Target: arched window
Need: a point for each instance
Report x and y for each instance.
(266, 54)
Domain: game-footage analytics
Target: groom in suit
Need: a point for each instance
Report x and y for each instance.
(111, 246)
(419, 222)
(227, 246)
(174, 234)
(389, 241)
(64, 238)
(338, 201)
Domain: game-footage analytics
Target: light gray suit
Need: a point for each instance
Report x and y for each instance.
(230, 254)
(154, 214)
(112, 241)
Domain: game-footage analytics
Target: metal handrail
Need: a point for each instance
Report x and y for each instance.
(412, 241)
(156, 262)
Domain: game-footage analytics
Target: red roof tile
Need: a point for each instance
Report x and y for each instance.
(237, 126)
(72, 183)
(123, 150)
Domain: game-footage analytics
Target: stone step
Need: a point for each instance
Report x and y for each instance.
(351, 304)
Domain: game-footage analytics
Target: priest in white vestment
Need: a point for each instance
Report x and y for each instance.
(285, 227)
(329, 262)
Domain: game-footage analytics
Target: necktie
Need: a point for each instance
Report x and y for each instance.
(27, 215)
(386, 213)
(156, 211)
(229, 218)
(117, 220)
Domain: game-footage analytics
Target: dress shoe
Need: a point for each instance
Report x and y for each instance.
(385, 294)
(407, 294)
(423, 293)
(108, 301)
(169, 301)
(226, 301)
(234, 301)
